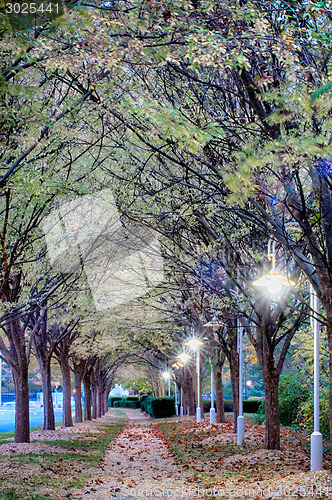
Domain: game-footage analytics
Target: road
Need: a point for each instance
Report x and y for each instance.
(7, 416)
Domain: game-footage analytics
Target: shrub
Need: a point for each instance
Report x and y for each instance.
(161, 407)
(112, 399)
(305, 417)
(144, 402)
(127, 404)
(249, 406)
(207, 405)
(252, 405)
(228, 405)
(158, 407)
(291, 395)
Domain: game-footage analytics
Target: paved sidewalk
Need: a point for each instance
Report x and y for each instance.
(137, 465)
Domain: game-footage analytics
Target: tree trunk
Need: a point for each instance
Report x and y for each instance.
(103, 401)
(220, 411)
(87, 396)
(188, 394)
(94, 400)
(78, 397)
(272, 421)
(45, 370)
(22, 420)
(98, 401)
(233, 360)
(67, 420)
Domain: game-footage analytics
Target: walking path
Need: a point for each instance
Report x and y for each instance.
(137, 465)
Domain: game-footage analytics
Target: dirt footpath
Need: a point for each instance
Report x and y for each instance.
(137, 465)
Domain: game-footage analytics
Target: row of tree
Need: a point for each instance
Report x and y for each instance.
(210, 123)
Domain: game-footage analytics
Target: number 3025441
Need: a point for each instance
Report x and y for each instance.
(32, 8)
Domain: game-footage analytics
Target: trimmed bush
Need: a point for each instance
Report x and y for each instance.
(252, 405)
(127, 404)
(112, 399)
(249, 406)
(161, 407)
(144, 403)
(158, 407)
(228, 405)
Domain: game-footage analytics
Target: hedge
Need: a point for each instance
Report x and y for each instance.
(249, 406)
(127, 404)
(112, 399)
(144, 402)
(158, 407)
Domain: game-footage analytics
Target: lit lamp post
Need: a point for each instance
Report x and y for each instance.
(183, 358)
(0, 380)
(177, 366)
(316, 436)
(215, 324)
(167, 376)
(212, 410)
(240, 418)
(274, 283)
(194, 343)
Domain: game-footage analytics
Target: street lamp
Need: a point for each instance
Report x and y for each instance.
(240, 418)
(177, 366)
(0, 379)
(167, 376)
(212, 410)
(183, 358)
(215, 324)
(194, 343)
(316, 436)
(273, 282)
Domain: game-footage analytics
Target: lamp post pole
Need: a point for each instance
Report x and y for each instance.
(316, 436)
(176, 399)
(212, 410)
(240, 418)
(181, 401)
(0, 381)
(195, 344)
(184, 358)
(198, 369)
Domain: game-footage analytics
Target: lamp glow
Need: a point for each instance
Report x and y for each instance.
(166, 375)
(184, 357)
(194, 343)
(274, 282)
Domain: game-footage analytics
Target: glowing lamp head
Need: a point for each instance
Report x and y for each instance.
(274, 282)
(184, 357)
(166, 375)
(194, 343)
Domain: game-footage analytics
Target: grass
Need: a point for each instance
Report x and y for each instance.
(209, 454)
(5, 436)
(55, 475)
